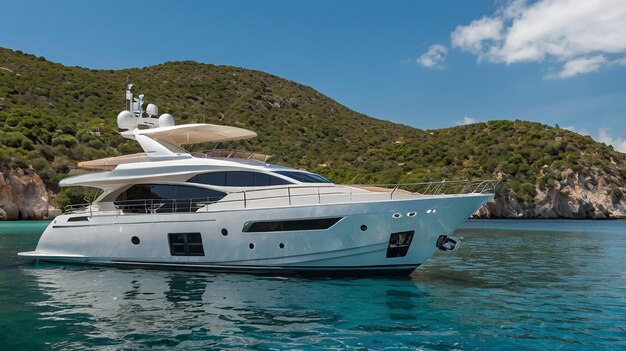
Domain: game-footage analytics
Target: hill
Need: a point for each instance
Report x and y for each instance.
(52, 116)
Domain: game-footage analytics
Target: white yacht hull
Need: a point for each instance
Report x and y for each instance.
(357, 243)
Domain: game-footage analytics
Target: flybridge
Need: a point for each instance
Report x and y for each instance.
(162, 138)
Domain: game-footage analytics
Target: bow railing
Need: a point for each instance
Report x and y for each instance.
(443, 187)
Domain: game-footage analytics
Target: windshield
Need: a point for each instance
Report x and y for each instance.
(304, 177)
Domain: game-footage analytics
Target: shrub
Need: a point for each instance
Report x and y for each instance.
(14, 139)
(28, 145)
(65, 140)
(95, 144)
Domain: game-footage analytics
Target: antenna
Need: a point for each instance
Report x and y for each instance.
(132, 117)
(126, 87)
(133, 104)
(129, 97)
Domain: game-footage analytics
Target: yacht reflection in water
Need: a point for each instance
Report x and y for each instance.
(122, 303)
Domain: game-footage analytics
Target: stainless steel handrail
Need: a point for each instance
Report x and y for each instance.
(439, 188)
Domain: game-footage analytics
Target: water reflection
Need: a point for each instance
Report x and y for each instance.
(185, 288)
(126, 306)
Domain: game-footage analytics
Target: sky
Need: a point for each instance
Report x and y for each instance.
(427, 64)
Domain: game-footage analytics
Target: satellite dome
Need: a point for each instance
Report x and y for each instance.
(166, 120)
(152, 110)
(126, 120)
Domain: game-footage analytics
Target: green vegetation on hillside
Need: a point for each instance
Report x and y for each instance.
(52, 116)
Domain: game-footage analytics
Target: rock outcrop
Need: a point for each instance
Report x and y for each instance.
(587, 194)
(22, 195)
(505, 205)
(584, 194)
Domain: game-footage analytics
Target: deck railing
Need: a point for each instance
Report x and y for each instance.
(438, 188)
(291, 194)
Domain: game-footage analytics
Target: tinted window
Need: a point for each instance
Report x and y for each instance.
(159, 198)
(163, 191)
(190, 192)
(214, 178)
(136, 192)
(399, 244)
(186, 244)
(237, 178)
(261, 179)
(304, 177)
(278, 181)
(293, 225)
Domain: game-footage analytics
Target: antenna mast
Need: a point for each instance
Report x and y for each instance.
(133, 117)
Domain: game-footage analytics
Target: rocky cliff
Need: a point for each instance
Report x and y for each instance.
(22, 195)
(586, 194)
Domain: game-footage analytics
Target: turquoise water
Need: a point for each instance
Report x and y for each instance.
(514, 285)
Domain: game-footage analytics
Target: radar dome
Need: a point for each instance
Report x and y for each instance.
(166, 120)
(126, 120)
(152, 110)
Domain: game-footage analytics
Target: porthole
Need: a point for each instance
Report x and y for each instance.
(251, 246)
(411, 214)
(396, 215)
(135, 240)
(281, 245)
(224, 232)
(363, 227)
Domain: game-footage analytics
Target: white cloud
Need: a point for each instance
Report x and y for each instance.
(434, 57)
(583, 35)
(475, 36)
(579, 66)
(618, 143)
(466, 121)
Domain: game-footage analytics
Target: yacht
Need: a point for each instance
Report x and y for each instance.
(234, 211)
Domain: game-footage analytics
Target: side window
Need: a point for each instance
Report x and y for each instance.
(279, 181)
(136, 192)
(304, 177)
(163, 198)
(237, 178)
(185, 244)
(167, 192)
(261, 179)
(163, 191)
(191, 192)
(214, 178)
(292, 225)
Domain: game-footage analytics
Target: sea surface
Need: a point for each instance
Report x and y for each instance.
(513, 285)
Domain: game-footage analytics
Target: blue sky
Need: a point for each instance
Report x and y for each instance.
(428, 64)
